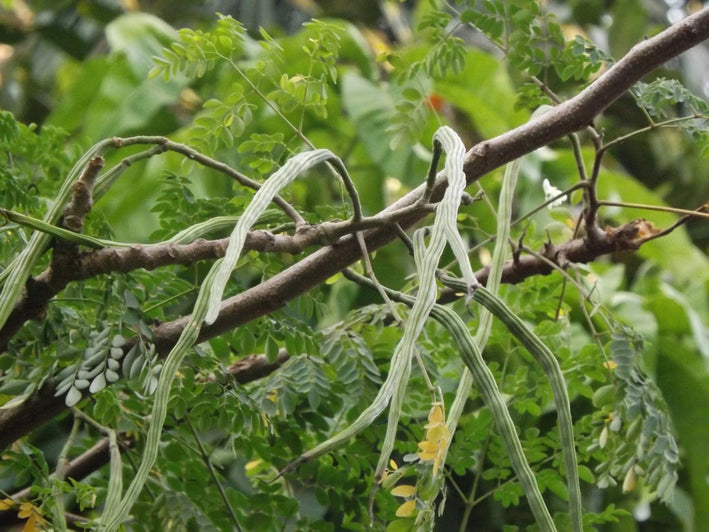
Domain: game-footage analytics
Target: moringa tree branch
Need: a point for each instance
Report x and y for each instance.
(42, 406)
(571, 116)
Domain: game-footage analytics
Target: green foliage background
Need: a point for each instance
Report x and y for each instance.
(253, 97)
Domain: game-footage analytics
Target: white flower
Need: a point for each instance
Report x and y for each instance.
(551, 191)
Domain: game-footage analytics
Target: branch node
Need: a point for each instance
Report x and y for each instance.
(82, 199)
(481, 149)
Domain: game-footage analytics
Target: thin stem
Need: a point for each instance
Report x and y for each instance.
(164, 144)
(169, 299)
(541, 206)
(59, 474)
(104, 182)
(697, 213)
(370, 273)
(404, 238)
(560, 302)
(268, 102)
(390, 305)
(578, 156)
(349, 186)
(653, 125)
(590, 197)
(470, 499)
(212, 472)
(432, 172)
(237, 176)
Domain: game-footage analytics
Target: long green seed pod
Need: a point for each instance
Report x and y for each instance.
(287, 173)
(488, 389)
(546, 359)
(400, 367)
(426, 259)
(495, 306)
(485, 382)
(185, 236)
(210, 294)
(117, 513)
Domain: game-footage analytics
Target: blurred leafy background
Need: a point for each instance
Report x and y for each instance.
(79, 70)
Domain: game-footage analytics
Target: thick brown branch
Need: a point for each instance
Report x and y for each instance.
(578, 112)
(68, 265)
(570, 116)
(628, 237)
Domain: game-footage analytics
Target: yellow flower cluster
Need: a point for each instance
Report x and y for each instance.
(437, 438)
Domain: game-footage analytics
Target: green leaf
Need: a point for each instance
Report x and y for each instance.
(684, 381)
(72, 397)
(98, 384)
(271, 349)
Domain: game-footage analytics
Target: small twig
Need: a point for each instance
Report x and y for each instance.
(517, 251)
(109, 177)
(268, 101)
(60, 474)
(165, 144)
(578, 156)
(370, 273)
(298, 132)
(404, 238)
(560, 302)
(589, 191)
(653, 125)
(590, 197)
(696, 213)
(390, 305)
(432, 172)
(350, 187)
(535, 210)
(213, 473)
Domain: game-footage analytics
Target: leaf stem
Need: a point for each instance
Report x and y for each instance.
(213, 473)
(697, 213)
